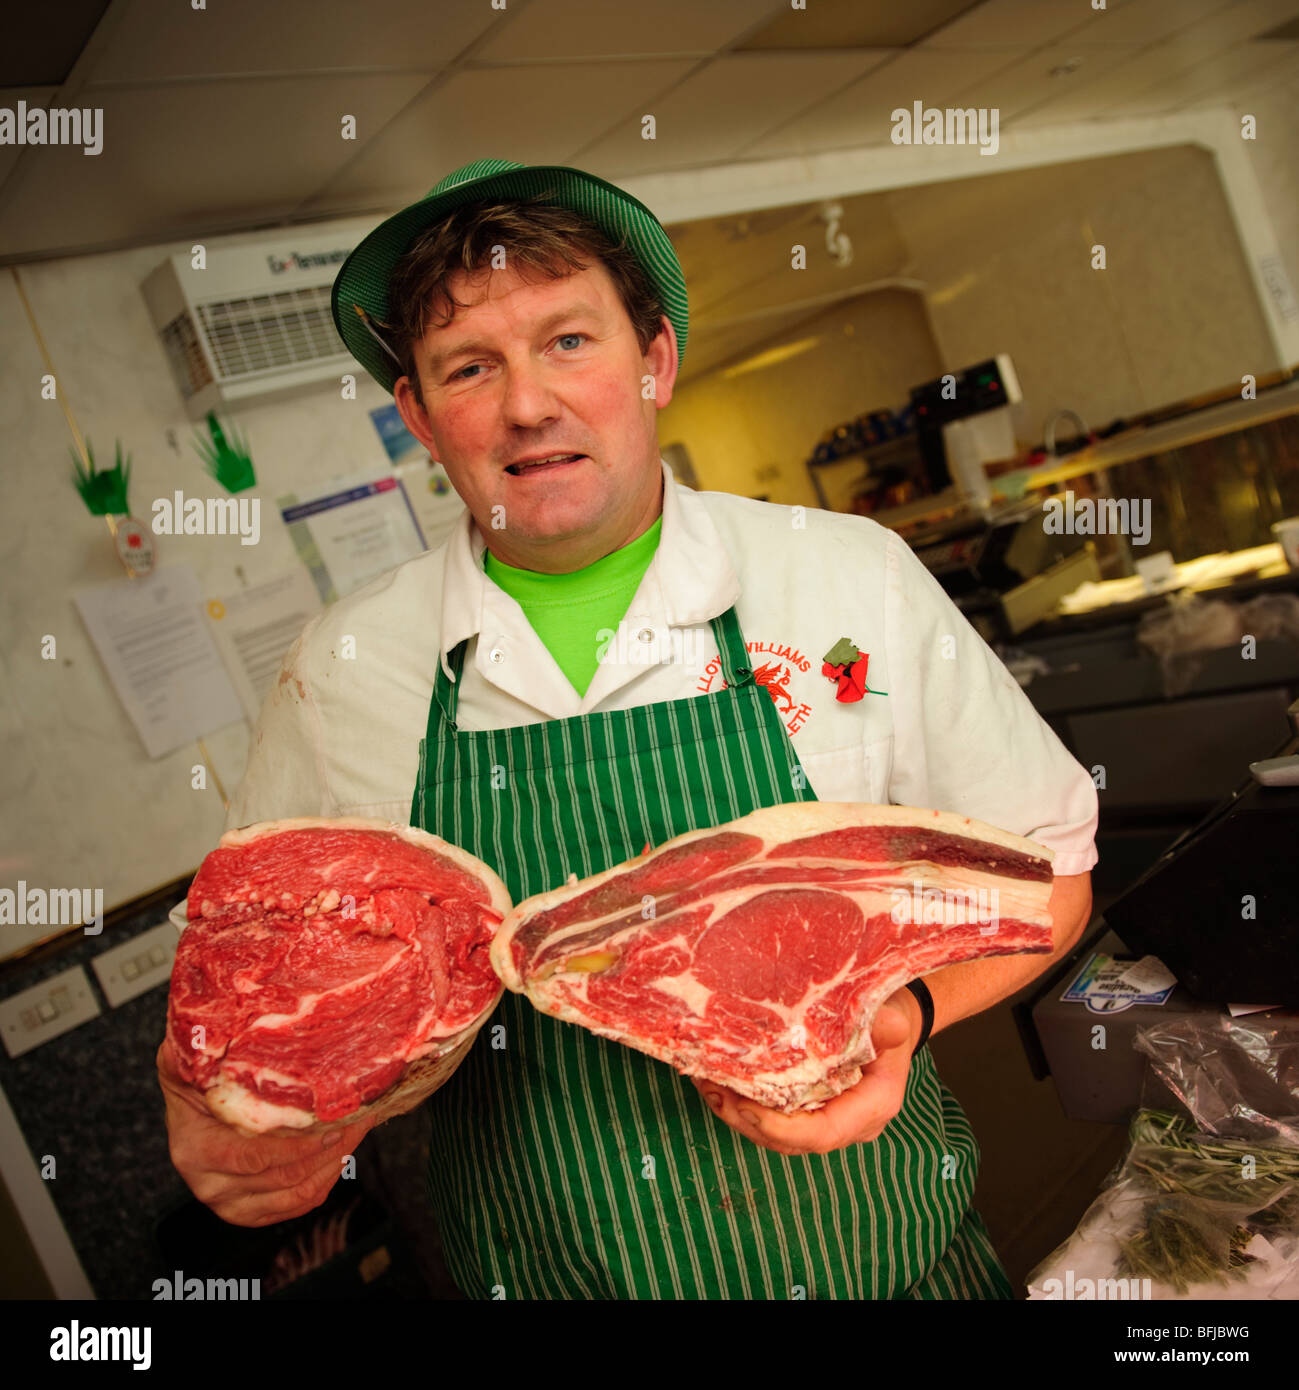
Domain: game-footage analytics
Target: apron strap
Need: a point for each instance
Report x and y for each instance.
(446, 693)
(442, 707)
(730, 643)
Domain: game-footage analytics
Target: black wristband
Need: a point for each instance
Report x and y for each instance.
(921, 991)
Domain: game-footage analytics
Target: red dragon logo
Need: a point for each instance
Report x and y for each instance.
(775, 677)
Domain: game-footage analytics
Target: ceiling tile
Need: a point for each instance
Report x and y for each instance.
(1145, 22)
(1275, 75)
(568, 29)
(1030, 82)
(1203, 28)
(1109, 93)
(1248, 19)
(851, 24)
(166, 39)
(1214, 75)
(483, 114)
(1157, 78)
(192, 159)
(1027, 22)
(860, 115)
(718, 111)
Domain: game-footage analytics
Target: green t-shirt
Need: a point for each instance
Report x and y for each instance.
(567, 611)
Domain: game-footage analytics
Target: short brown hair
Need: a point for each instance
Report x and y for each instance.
(535, 235)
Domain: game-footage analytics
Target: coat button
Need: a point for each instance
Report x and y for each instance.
(496, 655)
(646, 634)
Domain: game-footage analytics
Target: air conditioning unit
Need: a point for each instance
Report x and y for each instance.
(255, 322)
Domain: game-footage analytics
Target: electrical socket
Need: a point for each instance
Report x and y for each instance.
(47, 1010)
(136, 965)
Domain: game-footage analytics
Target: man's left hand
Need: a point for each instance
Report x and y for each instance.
(857, 1116)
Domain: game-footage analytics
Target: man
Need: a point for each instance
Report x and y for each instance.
(530, 324)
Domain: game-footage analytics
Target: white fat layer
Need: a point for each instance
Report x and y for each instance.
(237, 1105)
(234, 1102)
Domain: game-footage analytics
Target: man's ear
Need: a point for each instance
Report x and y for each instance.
(663, 361)
(413, 414)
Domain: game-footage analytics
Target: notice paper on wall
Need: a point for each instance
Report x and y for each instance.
(436, 504)
(160, 656)
(254, 627)
(352, 530)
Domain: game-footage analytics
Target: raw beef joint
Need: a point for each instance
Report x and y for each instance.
(756, 954)
(329, 968)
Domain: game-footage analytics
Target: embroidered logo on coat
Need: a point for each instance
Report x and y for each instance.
(773, 675)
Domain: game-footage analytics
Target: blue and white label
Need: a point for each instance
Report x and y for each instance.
(1104, 987)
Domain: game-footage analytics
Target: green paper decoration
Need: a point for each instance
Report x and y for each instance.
(103, 492)
(843, 653)
(228, 461)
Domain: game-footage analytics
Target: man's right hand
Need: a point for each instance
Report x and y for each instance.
(249, 1182)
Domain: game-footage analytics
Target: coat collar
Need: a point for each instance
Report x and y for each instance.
(689, 581)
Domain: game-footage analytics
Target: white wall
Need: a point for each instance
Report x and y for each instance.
(83, 804)
(1173, 316)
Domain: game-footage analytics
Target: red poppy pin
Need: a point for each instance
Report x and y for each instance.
(846, 666)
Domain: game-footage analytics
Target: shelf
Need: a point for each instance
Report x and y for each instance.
(903, 444)
(1227, 418)
(1209, 423)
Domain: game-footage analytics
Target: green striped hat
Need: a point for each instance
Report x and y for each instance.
(362, 283)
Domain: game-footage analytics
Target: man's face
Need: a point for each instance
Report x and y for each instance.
(533, 368)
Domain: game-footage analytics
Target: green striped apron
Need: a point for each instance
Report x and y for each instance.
(563, 1165)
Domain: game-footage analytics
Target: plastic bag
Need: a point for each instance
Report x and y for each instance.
(1236, 1077)
(1023, 665)
(1186, 626)
(1204, 1205)
(1190, 624)
(1274, 617)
